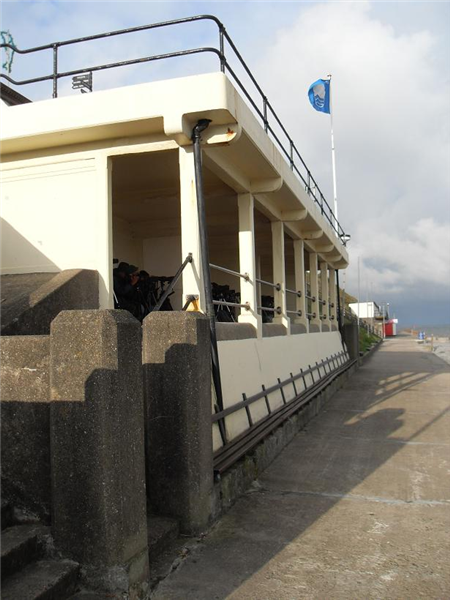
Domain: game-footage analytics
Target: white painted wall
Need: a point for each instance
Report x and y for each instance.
(127, 247)
(162, 258)
(366, 310)
(49, 217)
(247, 364)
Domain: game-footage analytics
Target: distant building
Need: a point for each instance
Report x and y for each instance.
(369, 310)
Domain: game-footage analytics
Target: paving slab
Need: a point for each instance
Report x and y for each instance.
(357, 506)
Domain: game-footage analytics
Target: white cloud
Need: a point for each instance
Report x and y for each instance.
(392, 124)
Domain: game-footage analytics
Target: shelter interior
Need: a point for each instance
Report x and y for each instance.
(147, 224)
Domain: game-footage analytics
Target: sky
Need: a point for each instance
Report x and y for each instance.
(390, 67)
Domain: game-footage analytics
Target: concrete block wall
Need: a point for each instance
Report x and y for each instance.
(25, 415)
(73, 442)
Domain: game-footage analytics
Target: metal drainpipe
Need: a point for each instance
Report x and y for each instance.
(196, 137)
(338, 302)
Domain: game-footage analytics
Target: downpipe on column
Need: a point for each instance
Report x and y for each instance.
(204, 251)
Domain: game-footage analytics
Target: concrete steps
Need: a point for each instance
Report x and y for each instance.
(42, 580)
(7, 514)
(21, 544)
(27, 573)
(162, 532)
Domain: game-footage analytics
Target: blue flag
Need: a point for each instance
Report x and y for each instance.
(319, 95)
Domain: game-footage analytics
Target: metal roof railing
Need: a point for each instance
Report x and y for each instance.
(264, 109)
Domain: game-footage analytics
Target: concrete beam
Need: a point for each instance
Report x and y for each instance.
(294, 215)
(312, 235)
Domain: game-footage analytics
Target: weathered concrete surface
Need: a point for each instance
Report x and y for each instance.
(97, 447)
(177, 392)
(357, 506)
(30, 301)
(25, 418)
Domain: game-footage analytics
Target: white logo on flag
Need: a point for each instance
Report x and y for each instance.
(319, 95)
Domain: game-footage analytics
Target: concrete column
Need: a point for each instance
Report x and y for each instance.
(97, 447)
(299, 265)
(104, 231)
(350, 335)
(326, 324)
(314, 322)
(247, 263)
(333, 299)
(190, 239)
(279, 274)
(177, 391)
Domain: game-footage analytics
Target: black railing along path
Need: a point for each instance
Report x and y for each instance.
(265, 111)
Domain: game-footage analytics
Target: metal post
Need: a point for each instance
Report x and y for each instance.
(338, 302)
(196, 136)
(222, 49)
(55, 70)
(266, 122)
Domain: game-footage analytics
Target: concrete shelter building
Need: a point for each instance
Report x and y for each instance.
(89, 178)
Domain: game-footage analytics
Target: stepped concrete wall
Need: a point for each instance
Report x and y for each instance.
(25, 414)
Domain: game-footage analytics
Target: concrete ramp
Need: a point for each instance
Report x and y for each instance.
(30, 301)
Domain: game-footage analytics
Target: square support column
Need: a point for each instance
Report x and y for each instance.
(177, 391)
(190, 238)
(326, 324)
(247, 262)
(99, 515)
(299, 266)
(279, 274)
(333, 299)
(314, 321)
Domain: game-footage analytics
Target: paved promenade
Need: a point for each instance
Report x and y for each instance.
(356, 507)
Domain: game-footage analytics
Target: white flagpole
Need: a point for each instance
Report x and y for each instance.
(333, 160)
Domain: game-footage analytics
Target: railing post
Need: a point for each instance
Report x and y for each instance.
(247, 263)
(222, 49)
(55, 70)
(266, 122)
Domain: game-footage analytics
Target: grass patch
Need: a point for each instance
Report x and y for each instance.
(366, 340)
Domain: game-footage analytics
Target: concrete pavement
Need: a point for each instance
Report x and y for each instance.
(356, 507)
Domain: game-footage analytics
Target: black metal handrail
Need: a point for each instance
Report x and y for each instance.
(173, 282)
(290, 153)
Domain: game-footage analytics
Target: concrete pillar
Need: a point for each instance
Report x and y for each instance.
(300, 285)
(279, 274)
(104, 228)
(314, 322)
(333, 299)
(326, 324)
(247, 263)
(350, 335)
(190, 239)
(177, 391)
(97, 447)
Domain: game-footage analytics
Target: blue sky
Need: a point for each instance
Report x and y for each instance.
(391, 82)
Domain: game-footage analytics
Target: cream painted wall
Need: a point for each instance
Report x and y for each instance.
(49, 216)
(162, 258)
(247, 364)
(126, 246)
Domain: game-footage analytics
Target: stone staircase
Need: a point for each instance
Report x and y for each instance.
(29, 571)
